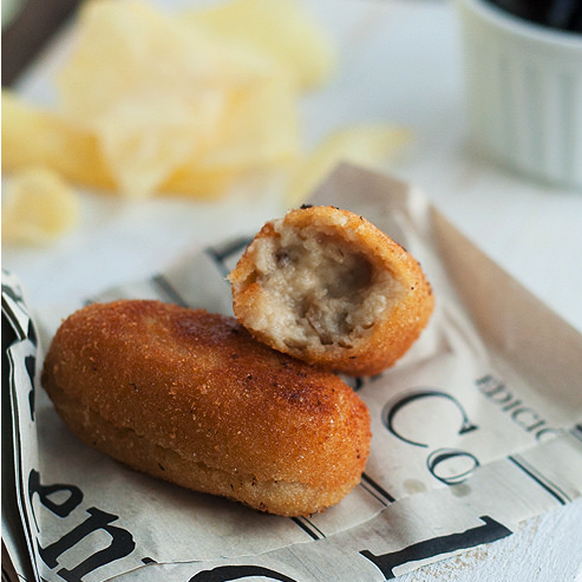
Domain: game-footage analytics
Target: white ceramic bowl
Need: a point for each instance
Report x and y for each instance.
(524, 93)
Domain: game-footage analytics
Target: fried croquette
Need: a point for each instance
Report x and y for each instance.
(326, 286)
(190, 397)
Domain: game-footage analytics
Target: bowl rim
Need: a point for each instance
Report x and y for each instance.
(518, 26)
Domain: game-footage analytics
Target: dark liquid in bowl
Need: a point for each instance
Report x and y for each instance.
(561, 14)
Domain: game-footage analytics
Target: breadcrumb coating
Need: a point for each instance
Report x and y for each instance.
(190, 397)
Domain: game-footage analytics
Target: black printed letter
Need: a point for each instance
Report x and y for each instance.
(45, 491)
(121, 545)
(491, 531)
(390, 411)
(228, 573)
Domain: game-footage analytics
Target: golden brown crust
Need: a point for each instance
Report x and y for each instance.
(359, 329)
(190, 397)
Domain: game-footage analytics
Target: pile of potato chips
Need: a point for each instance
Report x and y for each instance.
(186, 103)
(182, 103)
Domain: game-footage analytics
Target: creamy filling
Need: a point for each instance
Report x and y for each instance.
(316, 291)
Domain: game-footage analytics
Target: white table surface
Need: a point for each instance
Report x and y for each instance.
(400, 62)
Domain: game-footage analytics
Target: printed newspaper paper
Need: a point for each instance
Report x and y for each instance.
(477, 428)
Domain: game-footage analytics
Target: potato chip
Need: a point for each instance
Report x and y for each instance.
(281, 28)
(259, 131)
(123, 85)
(259, 127)
(32, 136)
(199, 183)
(152, 89)
(38, 207)
(368, 145)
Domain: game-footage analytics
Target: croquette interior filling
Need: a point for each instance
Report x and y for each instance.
(316, 291)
